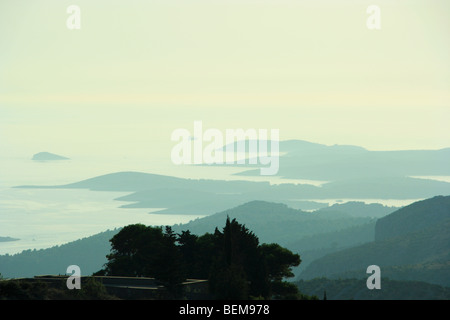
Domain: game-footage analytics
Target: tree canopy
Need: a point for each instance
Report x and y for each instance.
(233, 261)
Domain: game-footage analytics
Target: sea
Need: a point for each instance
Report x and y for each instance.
(43, 218)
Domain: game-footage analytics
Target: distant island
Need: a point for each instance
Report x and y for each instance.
(7, 239)
(47, 156)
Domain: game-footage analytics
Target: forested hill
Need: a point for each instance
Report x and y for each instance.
(415, 217)
(420, 251)
(88, 253)
(276, 222)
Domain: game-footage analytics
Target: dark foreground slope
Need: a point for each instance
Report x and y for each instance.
(356, 289)
(412, 243)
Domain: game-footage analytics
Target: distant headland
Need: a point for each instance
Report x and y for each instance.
(47, 156)
(7, 239)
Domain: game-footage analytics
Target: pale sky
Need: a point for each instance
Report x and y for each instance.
(137, 70)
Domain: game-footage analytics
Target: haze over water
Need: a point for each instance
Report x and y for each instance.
(42, 218)
(108, 96)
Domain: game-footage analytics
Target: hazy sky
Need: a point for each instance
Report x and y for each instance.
(137, 70)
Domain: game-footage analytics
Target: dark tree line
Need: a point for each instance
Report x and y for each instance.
(233, 261)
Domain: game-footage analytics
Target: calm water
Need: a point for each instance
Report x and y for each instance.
(43, 218)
